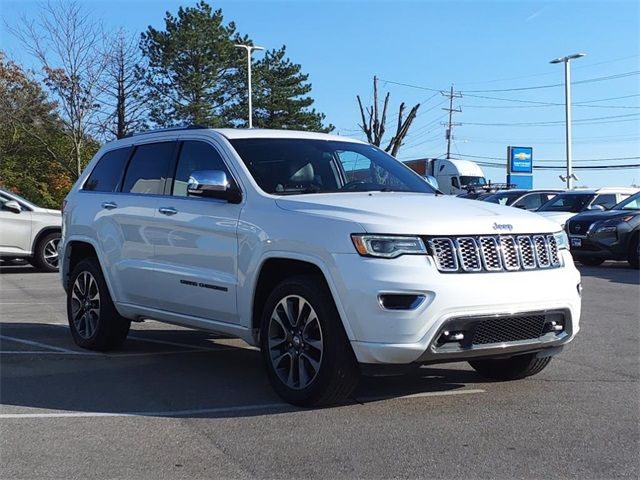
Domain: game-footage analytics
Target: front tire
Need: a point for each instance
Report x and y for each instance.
(307, 354)
(513, 368)
(93, 319)
(45, 257)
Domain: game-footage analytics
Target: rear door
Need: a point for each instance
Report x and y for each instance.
(197, 247)
(124, 220)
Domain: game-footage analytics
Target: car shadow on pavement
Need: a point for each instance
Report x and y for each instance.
(616, 272)
(178, 373)
(17, 268)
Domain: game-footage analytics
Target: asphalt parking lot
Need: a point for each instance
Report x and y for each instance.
(176, 403)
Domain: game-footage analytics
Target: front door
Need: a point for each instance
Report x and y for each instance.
(197, 247)
(15, 230)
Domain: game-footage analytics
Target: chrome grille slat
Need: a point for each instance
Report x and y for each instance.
(490, 253)
(494, 253)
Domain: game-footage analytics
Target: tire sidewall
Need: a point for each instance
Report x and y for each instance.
(333, 338)
(39, 254)
(90, 266)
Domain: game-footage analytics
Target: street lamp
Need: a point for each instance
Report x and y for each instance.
(567, 108)
(249, 49)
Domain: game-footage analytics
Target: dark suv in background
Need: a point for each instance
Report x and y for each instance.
(597, 236)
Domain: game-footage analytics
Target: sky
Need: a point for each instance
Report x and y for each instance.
(416, 49)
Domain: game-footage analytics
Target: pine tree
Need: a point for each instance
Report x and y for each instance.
(280, 96)
(190, 65)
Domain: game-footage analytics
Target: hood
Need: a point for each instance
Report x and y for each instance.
(601, 216)
(559, 218)
(418, 213)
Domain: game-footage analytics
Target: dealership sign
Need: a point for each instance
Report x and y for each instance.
(520, 166)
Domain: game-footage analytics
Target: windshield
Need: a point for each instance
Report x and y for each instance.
(283, 166)
(567, 202)
(467, 180)
(631, 203)
(503, 198)
(6, 196)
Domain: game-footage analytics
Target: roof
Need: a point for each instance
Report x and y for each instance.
(237, 133)
(629, 190)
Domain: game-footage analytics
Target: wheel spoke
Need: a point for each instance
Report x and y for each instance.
(302, 373)
(292, 369)
(314, 363)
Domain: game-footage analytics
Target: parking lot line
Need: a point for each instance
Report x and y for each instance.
(216, 410)
(38, 344)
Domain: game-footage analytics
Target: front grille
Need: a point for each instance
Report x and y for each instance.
(494, 253)
(578, 228)
(509, 329)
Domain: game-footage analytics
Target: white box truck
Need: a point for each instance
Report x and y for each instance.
(453, 176)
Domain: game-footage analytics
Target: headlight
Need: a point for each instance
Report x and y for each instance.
(607, 229)
(386, 246)
(562, 241)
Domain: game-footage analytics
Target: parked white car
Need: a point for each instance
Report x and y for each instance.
(329, 254)
(568, 204)
(29, 232)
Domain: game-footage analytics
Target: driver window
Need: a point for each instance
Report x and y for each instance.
(196, 155)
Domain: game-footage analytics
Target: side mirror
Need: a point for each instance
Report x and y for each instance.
(213, 184)
(597, 207)
(12, 206)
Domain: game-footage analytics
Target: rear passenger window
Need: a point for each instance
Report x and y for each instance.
(147, 172)
(108, 171)
(194, 156)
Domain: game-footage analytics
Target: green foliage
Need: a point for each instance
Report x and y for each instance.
(36, 158)
(280, 96)
(189, 67)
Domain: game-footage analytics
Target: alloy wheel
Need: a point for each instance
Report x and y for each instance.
(51, 252)
(295, 342)
(85, 305)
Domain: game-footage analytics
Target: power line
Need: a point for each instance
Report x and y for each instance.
(583, 121)
(561, 160)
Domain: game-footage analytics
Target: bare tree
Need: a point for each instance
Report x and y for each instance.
(374, 121)
(68, 46)
(122, 87)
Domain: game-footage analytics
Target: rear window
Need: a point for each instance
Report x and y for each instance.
(108, 171)
(147, 172)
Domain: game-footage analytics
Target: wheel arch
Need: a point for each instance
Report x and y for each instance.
(75, 250)
(41, 234)
(273, 270)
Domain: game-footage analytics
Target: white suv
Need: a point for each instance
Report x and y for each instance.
(29, 232)
(329, 254)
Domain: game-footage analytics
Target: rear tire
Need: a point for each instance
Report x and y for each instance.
(307, 354)
(45, 257)
(591, 261)
(512, 368)
(93, 319)
(633, 257)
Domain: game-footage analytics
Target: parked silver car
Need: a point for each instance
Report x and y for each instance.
(29, 232)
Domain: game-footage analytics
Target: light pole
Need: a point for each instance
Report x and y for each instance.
(249, 49)
(567, 109)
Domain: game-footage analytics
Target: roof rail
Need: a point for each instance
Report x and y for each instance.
(169, 129)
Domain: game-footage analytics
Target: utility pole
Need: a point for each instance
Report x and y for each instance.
(450, 124)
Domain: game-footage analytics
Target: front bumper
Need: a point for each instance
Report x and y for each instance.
(607, 246)
(382, 336)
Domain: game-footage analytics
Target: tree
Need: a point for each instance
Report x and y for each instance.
(279, 95)
(374, 122)
(68, 46)
(124, 105)
(33, 144)
(190, 64)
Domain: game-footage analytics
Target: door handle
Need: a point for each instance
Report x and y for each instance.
(167, 210)
(109, 205)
